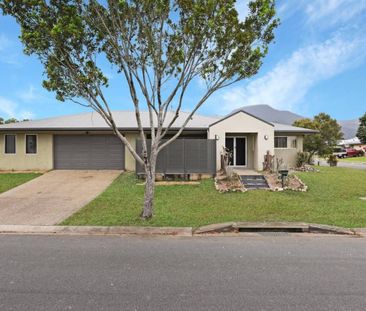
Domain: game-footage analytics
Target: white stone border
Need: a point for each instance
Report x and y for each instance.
(303, 188)
(243, 189)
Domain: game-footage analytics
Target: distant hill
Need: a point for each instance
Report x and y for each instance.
(269, 114)
(349, 128)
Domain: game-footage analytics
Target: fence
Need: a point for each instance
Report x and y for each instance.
(184, 156)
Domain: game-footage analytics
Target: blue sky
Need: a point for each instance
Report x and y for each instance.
(317, 64)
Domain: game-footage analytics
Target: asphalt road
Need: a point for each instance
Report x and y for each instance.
(119, 273)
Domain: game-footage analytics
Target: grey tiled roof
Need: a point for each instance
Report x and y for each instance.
(278, 127)
(125, 120)
(92, 120)
(269, 114)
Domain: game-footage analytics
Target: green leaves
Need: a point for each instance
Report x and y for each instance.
(361, 131)
(180, 39)
(329, 133)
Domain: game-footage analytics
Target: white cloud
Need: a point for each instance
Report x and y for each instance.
(324, 13)
(10, 109)
(7, 106)
(334, 11)
(30, 94)
(289, 81)
(7, 53)
(4, 42)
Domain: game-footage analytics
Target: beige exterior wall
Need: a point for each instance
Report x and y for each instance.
(43, 160)
(239, 124)
(289, 154)
(251, 147)
(244, 124)
(130, 162)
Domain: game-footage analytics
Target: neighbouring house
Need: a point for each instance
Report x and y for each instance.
(84, 141)
(352, 143)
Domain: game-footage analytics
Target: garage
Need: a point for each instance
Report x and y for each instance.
(84, 152)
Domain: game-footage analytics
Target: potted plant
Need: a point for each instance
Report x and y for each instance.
(332, 160)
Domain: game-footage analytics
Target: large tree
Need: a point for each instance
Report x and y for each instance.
(329, 133)
(158, 46)
(361, 131)
(11, 120)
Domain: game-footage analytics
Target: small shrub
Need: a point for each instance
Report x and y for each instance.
(361, 153)
(332, 160)
(303, 158)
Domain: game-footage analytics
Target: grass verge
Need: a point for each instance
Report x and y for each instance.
(354, 160)
(333, 198)
(11, 180)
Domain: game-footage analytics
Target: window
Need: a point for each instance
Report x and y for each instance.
(294, 143)
(280, 142)
(31, 144)
(10, 144)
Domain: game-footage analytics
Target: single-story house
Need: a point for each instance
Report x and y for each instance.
(84, 141)
(352, 143)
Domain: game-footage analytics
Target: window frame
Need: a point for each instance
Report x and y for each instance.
(25, 141)
(281, 147)
(294, 143)
(15, 144)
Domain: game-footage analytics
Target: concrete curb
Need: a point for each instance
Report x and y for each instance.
(95, 230)
(229, 227)
(277, 226)
(222, 227)
(316, 228)
(361, 232)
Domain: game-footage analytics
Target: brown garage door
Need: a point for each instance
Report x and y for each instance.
(98, 152)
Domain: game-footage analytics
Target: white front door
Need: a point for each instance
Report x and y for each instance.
(238, 149)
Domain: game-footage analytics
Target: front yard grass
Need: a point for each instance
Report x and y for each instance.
(11, 180)
(333, 198)
(354, 160)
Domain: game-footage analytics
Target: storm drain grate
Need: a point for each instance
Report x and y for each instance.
(254, 181)
(272, 230)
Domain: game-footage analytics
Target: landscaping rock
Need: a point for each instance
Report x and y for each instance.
(293, 183)
(306, 168)
(231, 183)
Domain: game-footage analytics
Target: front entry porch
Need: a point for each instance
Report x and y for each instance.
(245, 171)
(242, 148)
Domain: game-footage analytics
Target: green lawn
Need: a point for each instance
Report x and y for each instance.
(354, 160)
(11, 180)
(333, 198)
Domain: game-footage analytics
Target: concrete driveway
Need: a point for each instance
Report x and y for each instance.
(52, 197)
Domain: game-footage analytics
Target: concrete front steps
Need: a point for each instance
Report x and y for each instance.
(254, 182)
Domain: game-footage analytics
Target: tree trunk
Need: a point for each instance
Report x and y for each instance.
(311, 155)
(148, 210)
